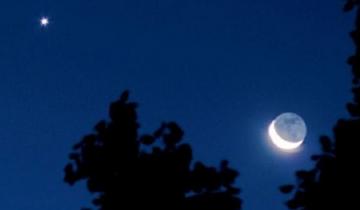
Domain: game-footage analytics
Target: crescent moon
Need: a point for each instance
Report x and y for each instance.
(280, 142)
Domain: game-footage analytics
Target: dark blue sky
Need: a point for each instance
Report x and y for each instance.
(223, 69)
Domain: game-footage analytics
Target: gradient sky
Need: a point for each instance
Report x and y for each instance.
(222, 69)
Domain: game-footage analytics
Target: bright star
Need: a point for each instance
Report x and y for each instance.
(44, 21)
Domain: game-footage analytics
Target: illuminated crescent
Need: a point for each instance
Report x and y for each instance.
(280, 142)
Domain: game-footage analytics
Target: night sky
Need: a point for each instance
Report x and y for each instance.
(222, 69)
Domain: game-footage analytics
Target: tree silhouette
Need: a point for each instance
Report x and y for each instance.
(319, 188)
(154, 171)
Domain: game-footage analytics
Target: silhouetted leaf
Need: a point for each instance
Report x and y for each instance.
(326, 144)
(349, 5)
(147, 139)
(287, 188)
(315, 157)
(174, 134)
(124, 96)
(101, 126)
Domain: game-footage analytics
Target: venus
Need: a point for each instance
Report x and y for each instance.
(44, 21)
(287, 131)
